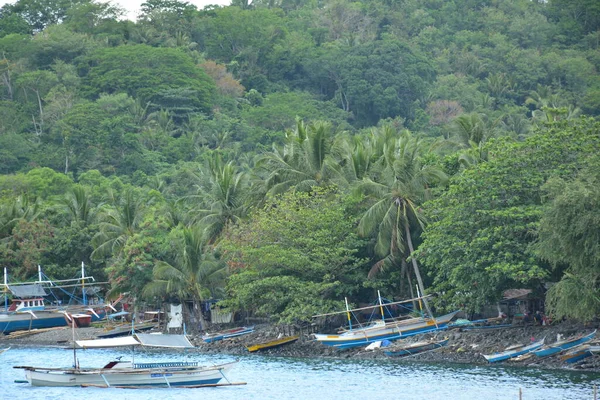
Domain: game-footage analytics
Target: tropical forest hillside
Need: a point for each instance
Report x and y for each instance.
(282, 155)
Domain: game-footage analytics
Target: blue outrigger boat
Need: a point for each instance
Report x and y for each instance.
(514, 351)
(28, 309)
(577, 354)
(563, 345)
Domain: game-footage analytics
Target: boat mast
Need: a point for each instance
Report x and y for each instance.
(5, 291)
(83, 283)
(380, 306)
(348, 313)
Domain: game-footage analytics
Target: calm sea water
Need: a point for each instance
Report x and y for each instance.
(311, 379)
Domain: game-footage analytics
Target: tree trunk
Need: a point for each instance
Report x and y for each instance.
(417, 271)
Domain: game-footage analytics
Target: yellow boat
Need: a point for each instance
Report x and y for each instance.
(272, 343)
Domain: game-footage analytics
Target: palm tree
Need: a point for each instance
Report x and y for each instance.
(22, 208)
(223, 192)
(401, 187)
(194, 275)
(305, 160)
(78, 205)
(118, 223)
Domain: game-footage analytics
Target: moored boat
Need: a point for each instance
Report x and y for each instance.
(131, 375)
(272, 344)
(563, 345)
(128, 374)
(409, 349)
(514, 351)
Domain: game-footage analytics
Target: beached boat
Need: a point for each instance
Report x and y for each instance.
(80, 320)
(230, 333)
(514, 351)
(28, 311)
(577, 354)
(389, 330)
(409, 349)
(127, 329)
(272, 344)
(563, 345)
(126, 374)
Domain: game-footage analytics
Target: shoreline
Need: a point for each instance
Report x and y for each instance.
(464, 347)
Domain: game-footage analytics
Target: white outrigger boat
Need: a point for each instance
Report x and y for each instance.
(127, 374)
(382, 329)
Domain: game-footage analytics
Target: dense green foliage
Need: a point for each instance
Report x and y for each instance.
(321, 150)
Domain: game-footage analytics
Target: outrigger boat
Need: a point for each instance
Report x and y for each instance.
(273, 343)
(563, 345)
(214, 337)
(127, 374)
(28, 310)
(514, 351)
(382, 329)
(409, 349)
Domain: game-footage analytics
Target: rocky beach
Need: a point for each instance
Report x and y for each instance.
(464, 346)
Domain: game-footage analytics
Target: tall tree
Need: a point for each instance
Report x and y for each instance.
(480, 231)
(118, 223)
(305, 160)
(194, 274)
(402, 185)
(223, 195)
(569, 235)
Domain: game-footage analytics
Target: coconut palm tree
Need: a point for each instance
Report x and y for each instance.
(118, 223)
(401, 186)
(223, 194)
(78, 205)
(305, 160)
(21, 208)
(193, 275)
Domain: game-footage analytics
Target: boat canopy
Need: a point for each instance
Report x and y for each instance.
(144, 339)
(27, 291)
(111, 342)
(173, 341)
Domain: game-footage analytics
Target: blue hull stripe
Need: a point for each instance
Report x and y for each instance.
(347, 344)
(11, 326)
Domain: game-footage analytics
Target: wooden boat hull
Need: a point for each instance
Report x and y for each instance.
(22, 322)
(389, 331)
(416, 348)
(215, 337)
(169, 376)
(505, 355)
(561, 346)
(80, 320)
(272, 344)
(577, 354)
